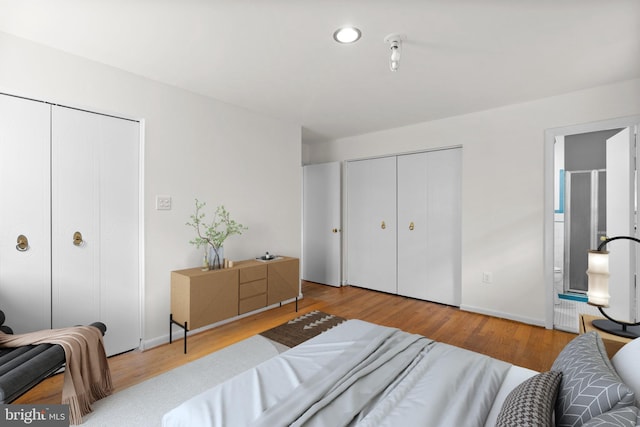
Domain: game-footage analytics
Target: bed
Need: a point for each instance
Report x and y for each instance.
(363, 374)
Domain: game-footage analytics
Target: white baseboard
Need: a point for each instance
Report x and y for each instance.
(521, 319)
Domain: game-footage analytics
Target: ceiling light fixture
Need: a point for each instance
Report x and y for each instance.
(347, 35)
(395, 44)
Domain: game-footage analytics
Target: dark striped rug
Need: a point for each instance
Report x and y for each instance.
(302, 328)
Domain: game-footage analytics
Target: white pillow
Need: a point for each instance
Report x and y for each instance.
(627, 364)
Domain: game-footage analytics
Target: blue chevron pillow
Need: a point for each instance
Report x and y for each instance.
(590, 386)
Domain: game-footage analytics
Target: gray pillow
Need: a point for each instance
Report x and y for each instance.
(531, 403)
(590, 386)
(621, 417)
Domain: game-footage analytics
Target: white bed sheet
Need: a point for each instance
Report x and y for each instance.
(239, 401)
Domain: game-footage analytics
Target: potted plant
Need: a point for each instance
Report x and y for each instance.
(214, 234)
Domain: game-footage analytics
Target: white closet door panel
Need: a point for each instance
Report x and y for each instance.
(444, 225)
(413, 229)
(371, 224)
(119, 242)
(75, 208)
(25, 276)
(95, 191)
(429, 198)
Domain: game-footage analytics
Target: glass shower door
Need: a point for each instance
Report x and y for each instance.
(585, 223)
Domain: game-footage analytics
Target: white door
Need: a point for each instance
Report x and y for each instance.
(620, 222)
(371, 224)
(413, 229)
(25, 274)
(95, 197)
(444, 246)
(321, 241)
(429, 265)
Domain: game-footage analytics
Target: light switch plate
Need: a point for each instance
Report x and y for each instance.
(487, 277)
(163, 203)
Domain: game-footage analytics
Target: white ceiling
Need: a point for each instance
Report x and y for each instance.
(278, 57)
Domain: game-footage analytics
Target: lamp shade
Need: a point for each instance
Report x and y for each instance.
(598, 273)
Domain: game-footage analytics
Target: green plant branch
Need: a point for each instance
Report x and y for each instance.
(216, 232)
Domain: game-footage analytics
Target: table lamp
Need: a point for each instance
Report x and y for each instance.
(598, 293)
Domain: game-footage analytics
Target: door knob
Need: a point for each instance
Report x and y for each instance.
(23, 243)
(383, 225)
(77, 239)
(335, 230)
(411, 226)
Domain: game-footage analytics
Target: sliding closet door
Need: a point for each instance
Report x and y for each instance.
(95, 224)
(429, 226)
(75, 208)
(25, 280)
(444, 245)
(413, 227)
(120, 234)
(371, 223)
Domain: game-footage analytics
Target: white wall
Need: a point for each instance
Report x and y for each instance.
(502, 187)
(194, 147)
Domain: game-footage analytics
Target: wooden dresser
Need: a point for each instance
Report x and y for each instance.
(200, 298)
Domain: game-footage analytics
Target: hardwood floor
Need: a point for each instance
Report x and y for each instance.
(525, 345)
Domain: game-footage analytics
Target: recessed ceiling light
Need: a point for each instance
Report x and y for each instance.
(347, 35)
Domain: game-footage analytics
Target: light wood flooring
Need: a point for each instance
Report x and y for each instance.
(525, 345)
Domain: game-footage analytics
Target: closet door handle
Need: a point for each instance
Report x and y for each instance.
(23, 243)
(383, 225)
(77, 239)
(411, 226)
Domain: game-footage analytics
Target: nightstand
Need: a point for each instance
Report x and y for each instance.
(613, 343)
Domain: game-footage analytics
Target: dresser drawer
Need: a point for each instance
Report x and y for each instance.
(251, 289)
(252, 303)
(249, 274)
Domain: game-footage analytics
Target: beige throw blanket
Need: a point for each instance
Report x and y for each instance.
(87, 377)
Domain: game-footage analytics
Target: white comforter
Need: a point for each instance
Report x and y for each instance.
(328, 381)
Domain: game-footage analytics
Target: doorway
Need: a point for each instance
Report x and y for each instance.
(583, 204)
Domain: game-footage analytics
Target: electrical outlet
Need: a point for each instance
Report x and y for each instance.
(487, 277)
(163, 203)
